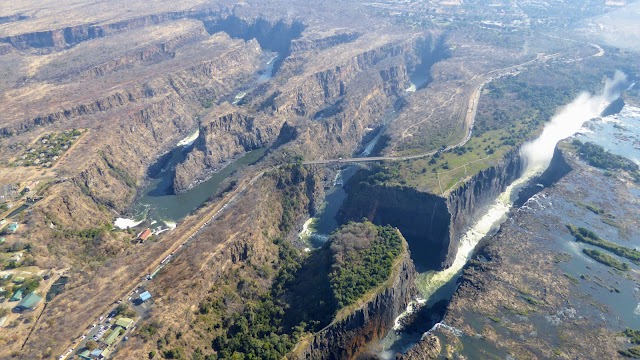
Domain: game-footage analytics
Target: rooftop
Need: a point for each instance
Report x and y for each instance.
(145, 296)
(124, 322)
(17, 295)
(113, 336)
(30, 301)
(144, 234)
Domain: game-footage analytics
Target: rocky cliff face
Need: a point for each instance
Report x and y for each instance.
(332, 109)
(558, 168)
(61, 38)
(224, 134)
(467, 201)
(422, 218)
(348, 335)
(432, 224)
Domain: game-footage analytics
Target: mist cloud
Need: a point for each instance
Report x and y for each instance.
(537, 154)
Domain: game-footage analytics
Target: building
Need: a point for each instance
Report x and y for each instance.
(29, 302)
(3, 320)
(95, 353)
(144, 234)
(124, 322)
(145, 296)
(13, 227)
(113, 336)
(17, 296)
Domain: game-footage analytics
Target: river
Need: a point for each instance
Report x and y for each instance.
(438, 286)
(158, 206)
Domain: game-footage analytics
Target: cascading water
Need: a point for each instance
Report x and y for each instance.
(536, 156)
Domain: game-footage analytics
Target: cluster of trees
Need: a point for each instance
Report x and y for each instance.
(596, 156)
(363, 256)
(589, 237)
(125, 310)
(258, 332)
(290, 179)
(379, 175)
(605, 259)
(633, 352)
(540, 104)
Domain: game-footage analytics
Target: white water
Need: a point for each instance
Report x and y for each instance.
(189, 139)
(170, 224)
(536, 156)
(124, 224)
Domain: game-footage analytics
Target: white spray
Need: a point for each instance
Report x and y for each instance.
(537, 153)
(536, 156)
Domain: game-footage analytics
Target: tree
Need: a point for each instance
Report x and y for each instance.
(91, 345)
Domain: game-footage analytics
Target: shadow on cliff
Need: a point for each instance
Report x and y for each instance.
(422, 218)
(272, 36)
(309, 296)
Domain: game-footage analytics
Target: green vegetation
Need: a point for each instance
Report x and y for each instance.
(633, 352)
(295, 182)
(258, 331)
(597, 156)
(148, 330)
(573, 279)
(305, 292)
(363, 257)
(48, 149)
(511, 111)
(605, 259)
(594, 209)
(589, 237)
(118, 172)
(175, 353)
(29, 285)
(632, 335)
(124, 310)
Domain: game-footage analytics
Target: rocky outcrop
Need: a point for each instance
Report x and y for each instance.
(189, 84)
(147, 54)
(428, 348)
(558, 168)
(274, 35)
(348, 334)
(359, 90)
(58, 39)
(224, 134)
(323, 42)
(422, 218)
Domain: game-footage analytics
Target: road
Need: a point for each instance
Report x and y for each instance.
(187, 236)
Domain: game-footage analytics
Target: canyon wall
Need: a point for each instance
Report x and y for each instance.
(354, 94)
(467, 201)
(432, 224)
(348, 335)
(422, 218)
(224, 134)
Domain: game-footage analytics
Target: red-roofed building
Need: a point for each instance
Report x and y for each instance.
(144, 235)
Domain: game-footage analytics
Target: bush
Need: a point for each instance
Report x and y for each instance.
(363, 259)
